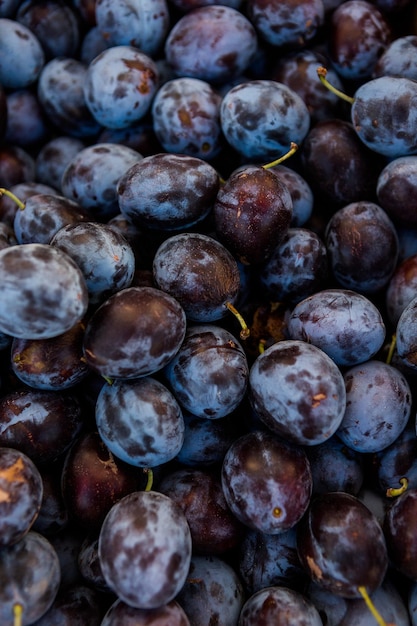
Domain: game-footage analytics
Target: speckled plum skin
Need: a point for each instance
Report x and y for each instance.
(134, 333)
(142, 23)
(344, 324)
(298, 391)
(140, 421)
(30, 576)
(170, 614)
(105, 258)
(91, 177)
(186, 117)
(252, 213)
(279, 606)
(209, 373)
(213, 43)
(21, 490)
(292, 23)
(43, 292)
(260, 119)
(21, 53)
(119, 87)
(406, 343)
(396, 189)
(384, 114)
(266, 482)
(378, 406)
(145, 549)
(199, 272)
(168, 191)
(341, 544)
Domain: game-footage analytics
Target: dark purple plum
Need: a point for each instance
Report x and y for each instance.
(330, 149)
(396, 190)
(264, 560)
(266, 481)
(170, 614)
(298, 392)
(22, 191)
(88, 562)
(140, 421)
(280, 606)
(359, 35)
(186, 117)
(21, 490)
(342, 545)
(397, 461)
(60, 90)
(119, 86)
(400, 519)
(378, 406)
(261, 118)
(210, 372)
(297, 268)
(345, 324)
(145, 549)
(143, 24)
(43, 215)
(104, 256)
(41, 424)
(214, 43)
(21, 53)
(336, 467)
(54, 23)
(30, 578)
(52, 364)
(300, 191)
(91, 177)
(17, 166)
(53, 514)
(406, 344)
(362, 244)
(54, 156)
(176, 191)
(290, 24)
(93, 479)
(26, 123)
(212, 592)
(214, 528)
(200, 273)
(298, 70)
(73, 606)
(51, 289)
(134, 333)
(252, 213)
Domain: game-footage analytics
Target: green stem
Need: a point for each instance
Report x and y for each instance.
(9, 194)
(284, 157)
(322, 73)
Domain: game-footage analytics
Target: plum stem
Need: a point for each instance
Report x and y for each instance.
(10, 194)
(392, 492)
(322, 73)
(17, 614)
(378, 617)
(149, 482)
(245, 332)
(284, 157)
(391, 349)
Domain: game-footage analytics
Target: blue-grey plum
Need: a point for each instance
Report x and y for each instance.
(298, 391)
(345, 324)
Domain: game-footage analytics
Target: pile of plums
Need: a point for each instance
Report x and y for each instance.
(208, 312)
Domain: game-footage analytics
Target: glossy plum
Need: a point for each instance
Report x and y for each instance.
(21, 53)
(278, 605)
(266, 481)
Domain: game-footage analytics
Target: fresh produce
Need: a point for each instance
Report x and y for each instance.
(208, 305)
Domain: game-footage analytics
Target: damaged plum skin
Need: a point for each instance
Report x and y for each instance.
(341, 544)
